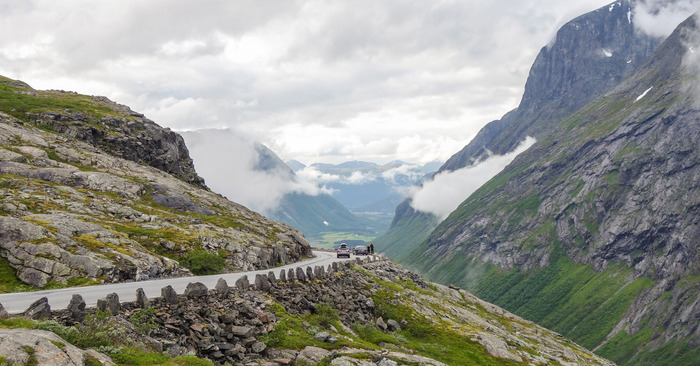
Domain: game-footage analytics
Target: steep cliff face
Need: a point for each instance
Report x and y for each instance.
(590, 55)
(75, 211)
(113, 128)
(594, 231)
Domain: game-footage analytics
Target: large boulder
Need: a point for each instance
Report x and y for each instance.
(313, 355)
(16, 346)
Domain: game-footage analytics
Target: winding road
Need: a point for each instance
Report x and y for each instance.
(18, 302)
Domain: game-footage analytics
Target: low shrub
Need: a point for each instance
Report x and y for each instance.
(201, 262)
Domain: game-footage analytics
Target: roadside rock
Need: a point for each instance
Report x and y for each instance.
(40, 309)
(195, 290)
(49, 348)
(169, 295)
(142, 300)
(76, 307)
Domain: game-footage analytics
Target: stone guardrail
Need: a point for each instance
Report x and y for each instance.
(40, 309)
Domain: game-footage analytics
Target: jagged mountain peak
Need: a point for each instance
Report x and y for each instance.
(589, 53)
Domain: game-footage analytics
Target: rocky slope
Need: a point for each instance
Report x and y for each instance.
(590, 55)
(93, 192)
(369, 314)
(112, 127)
(593, 232)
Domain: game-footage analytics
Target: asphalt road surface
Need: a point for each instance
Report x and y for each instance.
(18, 302)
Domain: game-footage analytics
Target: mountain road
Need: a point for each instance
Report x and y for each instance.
(18, 302)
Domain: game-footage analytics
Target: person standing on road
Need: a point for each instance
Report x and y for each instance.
(371, 248)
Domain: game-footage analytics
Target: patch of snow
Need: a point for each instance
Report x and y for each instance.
(629, 16)
(607, 53)
(612, 6)
(325, 223)
(643, 94)
(629, 61)
(691, 49)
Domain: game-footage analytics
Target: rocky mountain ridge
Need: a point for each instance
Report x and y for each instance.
(590, 55)
(594, 232)
(102, 123)
(80, 207)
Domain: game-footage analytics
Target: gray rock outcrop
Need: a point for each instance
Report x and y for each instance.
(49, 349)
(566, 75)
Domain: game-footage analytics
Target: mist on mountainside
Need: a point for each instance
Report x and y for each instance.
(441, 195)
(365, 187)
(244, 171)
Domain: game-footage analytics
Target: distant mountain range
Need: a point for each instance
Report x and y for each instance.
(365, 187)
(354, 203)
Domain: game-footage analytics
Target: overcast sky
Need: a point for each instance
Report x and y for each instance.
(316, 81)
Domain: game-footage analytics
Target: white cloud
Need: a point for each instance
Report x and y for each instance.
(447, 190)
(358, 178)
(659, 18)
(355, 178)
(407, 170)
(313, 174)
